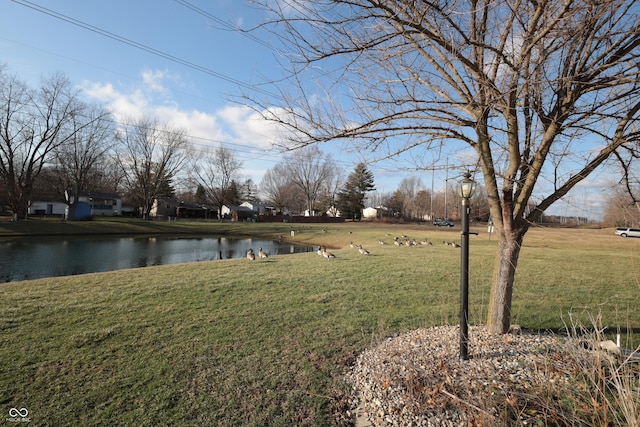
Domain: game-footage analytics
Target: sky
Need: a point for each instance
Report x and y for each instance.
(181, 61)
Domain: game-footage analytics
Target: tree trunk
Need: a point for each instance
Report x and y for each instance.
(499, 318)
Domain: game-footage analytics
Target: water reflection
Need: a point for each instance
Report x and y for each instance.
(32, 258)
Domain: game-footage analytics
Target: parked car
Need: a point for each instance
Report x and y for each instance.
(628, 232)
(442, 223)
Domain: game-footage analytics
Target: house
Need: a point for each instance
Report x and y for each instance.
(44, 205)
(102, 204)
(370, 213)
(195, 210)
(238, 213)
(375, 213)
(165, 207)
(97, 204)
(171, 207)
(258, 207)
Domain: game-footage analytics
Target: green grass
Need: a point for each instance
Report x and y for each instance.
(261, 343)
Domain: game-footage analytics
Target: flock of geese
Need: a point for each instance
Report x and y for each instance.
(398, 241)
(252, 256)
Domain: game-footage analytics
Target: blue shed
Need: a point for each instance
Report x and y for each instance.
(82, 212)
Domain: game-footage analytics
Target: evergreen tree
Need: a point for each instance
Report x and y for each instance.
(232, 196)
(355, 189)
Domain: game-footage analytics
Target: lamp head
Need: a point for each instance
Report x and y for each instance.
(466, 187)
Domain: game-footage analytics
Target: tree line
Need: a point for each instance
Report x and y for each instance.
(54, 144)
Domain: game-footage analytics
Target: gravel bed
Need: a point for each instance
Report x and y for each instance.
(418, 379)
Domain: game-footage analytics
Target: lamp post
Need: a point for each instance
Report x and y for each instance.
(466, 187)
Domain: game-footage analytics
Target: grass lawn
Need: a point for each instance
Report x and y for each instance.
(235, 342)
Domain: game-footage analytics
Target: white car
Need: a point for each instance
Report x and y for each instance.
(628, 232)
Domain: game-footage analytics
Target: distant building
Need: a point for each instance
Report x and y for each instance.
(260, 208)
(171, 207)
(97, 204)
(44, 205)
(238, 213)
(370, 213)
(376, 213)
(102, 204)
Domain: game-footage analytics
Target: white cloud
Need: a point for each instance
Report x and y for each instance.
(153, 80)
(152, 98)
(249, 127)
(122, 105)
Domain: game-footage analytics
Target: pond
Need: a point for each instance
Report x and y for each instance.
(37, 257)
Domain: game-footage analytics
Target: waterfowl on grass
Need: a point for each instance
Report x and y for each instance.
(326, 254)
(363, 251)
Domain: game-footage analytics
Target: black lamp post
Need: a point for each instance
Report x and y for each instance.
(466, 187)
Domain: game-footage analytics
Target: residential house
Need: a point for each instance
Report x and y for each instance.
(102, 204)
(45, 205)
(370, 213)
(171, 207)
(238, 213)
(97, 204)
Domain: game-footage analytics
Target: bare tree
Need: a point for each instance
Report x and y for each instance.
(310, 171)
(536, 89)
(407, 193)
(422, 204)
(33, 123)
(330, 192)
(77, 163)
(278, 189)
(217, 171)
(622, 209)
(151, 156)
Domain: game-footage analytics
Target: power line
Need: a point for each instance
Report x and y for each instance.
(225, 24)
(141, 46)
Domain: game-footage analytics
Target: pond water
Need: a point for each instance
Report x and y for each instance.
(37, 257)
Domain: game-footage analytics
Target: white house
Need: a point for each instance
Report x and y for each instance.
(370, 213)
(257, 207)
(44, 206)
(101, 204)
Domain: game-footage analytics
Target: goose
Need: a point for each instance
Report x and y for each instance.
(363, 251)
(250, 255)
(326, 254)
(262, 254)
(351, 245)
(320, 251)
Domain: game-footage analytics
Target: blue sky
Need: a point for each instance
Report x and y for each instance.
(199, 62)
